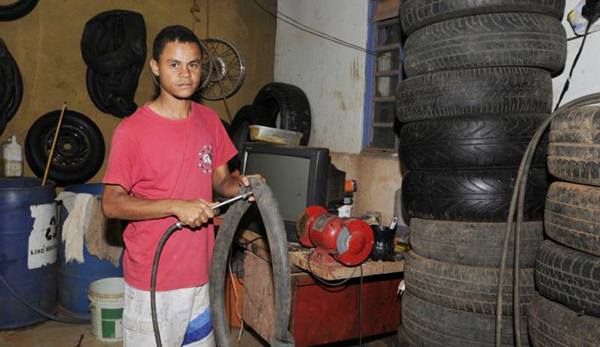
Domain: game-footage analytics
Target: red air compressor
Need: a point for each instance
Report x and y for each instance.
(347, 240)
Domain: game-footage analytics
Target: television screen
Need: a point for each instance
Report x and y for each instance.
(299, 176)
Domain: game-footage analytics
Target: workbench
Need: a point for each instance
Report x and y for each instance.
(320, 313)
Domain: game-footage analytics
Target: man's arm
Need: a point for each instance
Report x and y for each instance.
(225, 183)
(118, 204)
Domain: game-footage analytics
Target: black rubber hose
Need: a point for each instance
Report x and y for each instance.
(38, 310)
(517, 206)
(161, 244)
(269, 209)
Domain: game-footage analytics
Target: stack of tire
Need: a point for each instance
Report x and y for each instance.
(479, 84)
(566, 309)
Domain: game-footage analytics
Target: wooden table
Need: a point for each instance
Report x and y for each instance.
(321, 314)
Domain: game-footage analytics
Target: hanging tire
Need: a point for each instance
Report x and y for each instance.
(239, 132)
(554, 325)
(79, 151)
(415, 14)
(16, 9)
(497, 141)
(473, 244)
(569, 277)
(574, 148)
(465, 288)
(11, 86)
(487, 40)
(432, 325)
(470, 196)
(572, 216)
(474, 92)
(290, 104)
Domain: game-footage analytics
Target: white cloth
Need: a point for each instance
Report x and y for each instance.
(75, 226)
(181, 313)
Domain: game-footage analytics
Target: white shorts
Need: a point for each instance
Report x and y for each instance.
(183, 318)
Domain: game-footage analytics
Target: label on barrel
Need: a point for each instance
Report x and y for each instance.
(43, 240)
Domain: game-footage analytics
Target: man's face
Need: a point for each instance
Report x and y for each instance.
(179, 68)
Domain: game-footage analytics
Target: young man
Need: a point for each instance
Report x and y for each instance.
(164, 162)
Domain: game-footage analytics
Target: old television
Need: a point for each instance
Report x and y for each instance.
(299, 176)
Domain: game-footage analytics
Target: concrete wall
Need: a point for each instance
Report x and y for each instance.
(333, 78)
(45, 44)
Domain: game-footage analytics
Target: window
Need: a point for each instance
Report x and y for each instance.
(383, 73)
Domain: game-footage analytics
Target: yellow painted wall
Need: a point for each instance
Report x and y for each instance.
(46, 46)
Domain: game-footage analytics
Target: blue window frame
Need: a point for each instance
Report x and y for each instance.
(383, 71)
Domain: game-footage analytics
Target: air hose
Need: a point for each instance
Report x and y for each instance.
(271, 216)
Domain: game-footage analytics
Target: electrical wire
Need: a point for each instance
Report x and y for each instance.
(237, 300)
(300, 26)
(325, 282)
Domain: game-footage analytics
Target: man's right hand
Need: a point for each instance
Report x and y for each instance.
(192, 213)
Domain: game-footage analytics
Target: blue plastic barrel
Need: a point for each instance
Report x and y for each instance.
(74, 278)
(28, 249)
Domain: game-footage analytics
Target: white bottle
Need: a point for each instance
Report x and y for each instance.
(12, 156)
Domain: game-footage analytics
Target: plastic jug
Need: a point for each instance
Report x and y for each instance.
(12, 158)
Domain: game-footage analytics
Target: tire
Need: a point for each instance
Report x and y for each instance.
(465, 288)
(470, 196)
(554, 325)
(415, 14)
(114, 93)
(403, 339)
(487, 40)
(16, 9)
(572, 216)
(11, 86)
(474, 92)
(569, 277)
(574, 148)
(79, 151)
(473, 244)
(113, 41)
(497, 141)
(432, 325)
(290, 104)
(238, 130)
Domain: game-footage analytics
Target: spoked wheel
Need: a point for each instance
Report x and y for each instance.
(228, 71)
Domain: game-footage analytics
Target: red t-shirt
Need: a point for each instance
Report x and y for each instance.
(153, 157)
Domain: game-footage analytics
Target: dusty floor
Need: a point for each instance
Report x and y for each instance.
(53, 334)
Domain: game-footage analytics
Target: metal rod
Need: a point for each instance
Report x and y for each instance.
(229, 201)
(51, 153)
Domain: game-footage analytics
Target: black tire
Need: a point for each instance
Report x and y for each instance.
(79, 151)
(470, 196)
(473, 244)
(432, 325)
(113, 41)
(17, 9)
(114, 93)
(11, 86)
(572, 216)
(574, 148)
(465, 288)
(554, 325)
(403, 339)
(497, 141)
(487, 40)
(484, 91)
(415, 14)
(238, 130)
(569, 277)
(290, 104)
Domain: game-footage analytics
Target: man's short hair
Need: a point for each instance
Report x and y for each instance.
(173, 33)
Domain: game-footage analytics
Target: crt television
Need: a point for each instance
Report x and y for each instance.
(299, 176)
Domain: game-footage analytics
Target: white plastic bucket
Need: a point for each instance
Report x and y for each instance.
(106, 308)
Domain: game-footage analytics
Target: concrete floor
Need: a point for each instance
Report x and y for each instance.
(53, 334)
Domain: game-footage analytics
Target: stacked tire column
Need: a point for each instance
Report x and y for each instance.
(479, 85)
(566, 309)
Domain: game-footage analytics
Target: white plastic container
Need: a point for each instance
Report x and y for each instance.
(274, 135)
(106, 307)
(12, 158)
